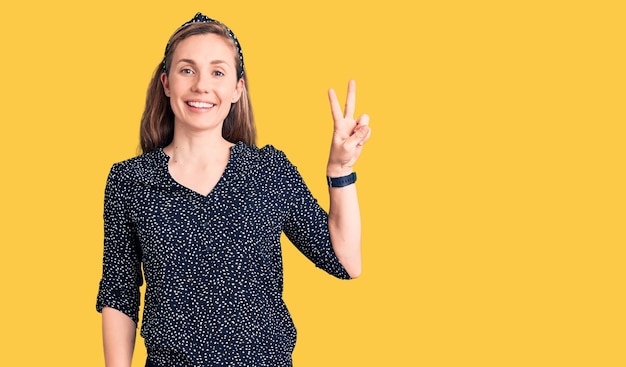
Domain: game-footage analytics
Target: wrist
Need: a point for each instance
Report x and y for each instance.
(338, 171)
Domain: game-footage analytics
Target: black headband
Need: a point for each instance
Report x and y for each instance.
(201, 18)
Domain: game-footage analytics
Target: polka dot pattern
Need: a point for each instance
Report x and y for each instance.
(212, 264)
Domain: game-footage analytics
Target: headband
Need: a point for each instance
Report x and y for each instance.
(201, 18)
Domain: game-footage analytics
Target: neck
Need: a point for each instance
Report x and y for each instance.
(198, 149)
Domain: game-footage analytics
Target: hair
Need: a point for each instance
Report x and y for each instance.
(157, 121)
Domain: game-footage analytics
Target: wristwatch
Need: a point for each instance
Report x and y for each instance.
(341, 181)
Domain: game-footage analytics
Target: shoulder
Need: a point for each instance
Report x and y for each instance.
(268, 151)
(141, 168)
(272, 155)
(266, 156)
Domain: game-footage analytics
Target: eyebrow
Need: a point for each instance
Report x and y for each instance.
(190, 61)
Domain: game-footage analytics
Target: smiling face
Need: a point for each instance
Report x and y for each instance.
(202, 82)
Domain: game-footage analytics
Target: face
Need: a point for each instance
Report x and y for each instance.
(202, 82)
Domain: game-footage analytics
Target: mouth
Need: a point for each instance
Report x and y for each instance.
(197, 104)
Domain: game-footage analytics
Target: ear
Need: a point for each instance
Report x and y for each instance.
(166, 84)
(238, 90)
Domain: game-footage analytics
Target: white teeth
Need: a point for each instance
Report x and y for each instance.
(200, 104)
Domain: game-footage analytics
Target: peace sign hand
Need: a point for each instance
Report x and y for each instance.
(349, 134)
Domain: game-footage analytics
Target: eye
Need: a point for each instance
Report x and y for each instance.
(218, 73)
(186, 71)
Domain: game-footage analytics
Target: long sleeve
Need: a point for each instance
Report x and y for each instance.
(121, 265)
(306, 224)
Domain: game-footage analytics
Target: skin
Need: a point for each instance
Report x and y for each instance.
(202, 84)
(203, 70)
(118, 336)
(344, 218)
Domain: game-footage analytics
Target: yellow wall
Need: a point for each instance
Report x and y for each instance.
(492, 189)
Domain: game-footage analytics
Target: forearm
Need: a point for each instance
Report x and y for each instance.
(344, 224)
(118, 334)
(344, 219)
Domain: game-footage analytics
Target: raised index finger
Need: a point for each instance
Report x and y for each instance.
(335, 109)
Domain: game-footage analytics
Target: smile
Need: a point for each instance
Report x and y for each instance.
(200, 104)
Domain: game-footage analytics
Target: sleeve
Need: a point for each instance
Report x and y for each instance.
(121, 263)
(306, 224)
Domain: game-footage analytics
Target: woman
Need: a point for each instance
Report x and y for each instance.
(200, 213)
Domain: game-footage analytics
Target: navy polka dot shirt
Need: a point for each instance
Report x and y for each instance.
(212, 264)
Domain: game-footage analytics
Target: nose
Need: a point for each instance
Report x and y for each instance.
(203, 83)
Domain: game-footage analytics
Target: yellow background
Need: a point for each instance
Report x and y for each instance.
(492, 189)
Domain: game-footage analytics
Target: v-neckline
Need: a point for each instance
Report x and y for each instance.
(220, 181)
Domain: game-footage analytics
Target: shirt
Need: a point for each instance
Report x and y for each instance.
(212, 264)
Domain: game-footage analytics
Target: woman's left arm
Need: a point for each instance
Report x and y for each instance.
(344, 219)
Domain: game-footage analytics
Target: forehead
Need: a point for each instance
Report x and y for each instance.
(208, 46)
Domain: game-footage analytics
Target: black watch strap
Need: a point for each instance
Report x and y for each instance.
(341, 181)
